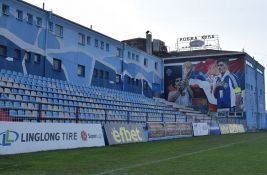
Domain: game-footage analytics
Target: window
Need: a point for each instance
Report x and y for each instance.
(145, 85)
(133, 56)
(88, 40)
(133, 81)
(137, 82)
(19, 15)
(27, 57)
(145, 62)
(118, 78)
(56, 64)
(102, 45)
(37, 58)
(17, 54)
(101, 74)
(81, 70)
(119, 52)
(5, 9)
(129, 55)
(107, 75)
(137, 58)
(95, 72)
(156, 65)
(50, 26)
(96, 43)
(39, 21)
(81, 39)
(129, 80)
(107, 47)
(58, 30)
(3, 50)
(29, 18)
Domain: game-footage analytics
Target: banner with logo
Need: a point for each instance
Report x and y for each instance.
(161, 130)
(200, 129)
(232, 128)
(224, 128)
(124, 133)
(17, 137)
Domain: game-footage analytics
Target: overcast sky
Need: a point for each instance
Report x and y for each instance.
(240, 24)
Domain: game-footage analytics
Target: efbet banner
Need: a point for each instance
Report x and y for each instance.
(216, 85)
(124, 133)
(17, 137)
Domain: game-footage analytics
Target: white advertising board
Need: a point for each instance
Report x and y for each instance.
(200, 129)
(23, 137)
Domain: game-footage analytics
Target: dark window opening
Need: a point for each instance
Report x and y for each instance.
(56, 64)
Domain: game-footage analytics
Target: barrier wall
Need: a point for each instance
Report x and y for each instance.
(23, 137)
(200, 129)
(158, 131)
(124, 133)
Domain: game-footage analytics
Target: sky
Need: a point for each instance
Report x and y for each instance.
(240, 24)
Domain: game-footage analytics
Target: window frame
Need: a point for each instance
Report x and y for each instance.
(88, 40)
(156, 65)
(37, 58)
(19, 15)
(96, 43)
(81, 39)
(59, 30)
(145, 62)
(95, 73)
(118, 79)
(102, 45)
(29, 18)
(51, 26)
(107, 47)
(17, 54)
(82, 68)
(27, 56)
(5, 9)
(57, 64)
(4, 48)
(39, 21)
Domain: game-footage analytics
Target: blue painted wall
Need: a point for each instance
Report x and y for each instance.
(20, 34)
(255, 94)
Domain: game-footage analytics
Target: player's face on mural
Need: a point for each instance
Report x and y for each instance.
(222, 67)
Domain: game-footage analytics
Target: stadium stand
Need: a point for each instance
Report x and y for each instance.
(191, 114)
(40, 99)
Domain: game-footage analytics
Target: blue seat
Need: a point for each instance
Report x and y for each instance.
(13, 113)
(21, 112)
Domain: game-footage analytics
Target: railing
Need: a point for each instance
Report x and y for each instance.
(37, 114)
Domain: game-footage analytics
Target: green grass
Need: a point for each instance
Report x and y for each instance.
(238, 154)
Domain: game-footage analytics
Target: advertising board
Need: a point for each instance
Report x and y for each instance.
(169, 130)
(215, 85)
(200, 129)
(124, 133)
(23, 137)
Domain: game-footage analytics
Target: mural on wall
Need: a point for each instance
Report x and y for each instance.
(213, 85)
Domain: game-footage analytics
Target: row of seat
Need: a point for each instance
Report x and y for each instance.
(63, 85)
(34, 96)
(7, 87)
